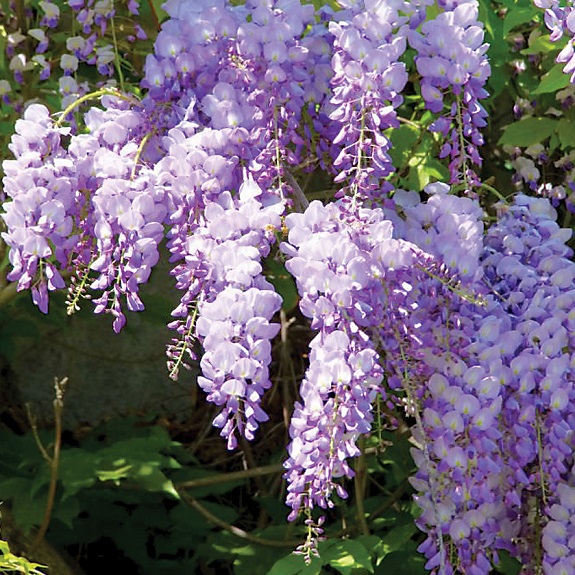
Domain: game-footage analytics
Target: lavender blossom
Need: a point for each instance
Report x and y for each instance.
(453, 64)
(367, 84)
(41, 184)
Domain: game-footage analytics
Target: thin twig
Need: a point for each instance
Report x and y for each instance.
(59, 388)
(117, 60)
(93, 96)
(393, 498)
(286, 363)
(34, 428)
(300, 196)
(232, 476)
(250, 463)
(359, 487)
(236, 530)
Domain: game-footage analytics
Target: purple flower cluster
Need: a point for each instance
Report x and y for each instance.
(235, 332)
(446, 226)
(528, 265)
(559, 532)
(470, 333)
(245, 67)
(367, 84)
(433, 312)
(444, 349)
(327, 251)
(495, 398)
(126, 211)
(461, 465)
(227, 305)
(40, 218)
(86, 207)
(94, 45)
(560, 20)
(451, 59)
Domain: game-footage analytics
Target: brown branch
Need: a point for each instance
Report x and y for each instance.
(299, 195)
(240, 533)
(359, 487)
(232, 476)
(59, 387)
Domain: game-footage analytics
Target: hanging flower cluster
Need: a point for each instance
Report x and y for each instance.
(451, 58)
(468, 330)
(32, 52)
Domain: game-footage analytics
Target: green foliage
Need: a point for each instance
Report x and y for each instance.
(553, 80)
(283, 282)
(415, 148)
(346, 556)
(137, 458)
(119, 481)
(11, 564)
(124, 482)
(507, 565)
(528, 132)
(160, 13)
(394, 553)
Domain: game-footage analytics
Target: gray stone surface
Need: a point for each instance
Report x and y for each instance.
(109, 374)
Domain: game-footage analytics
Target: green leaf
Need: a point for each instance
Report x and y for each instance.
(518, 16)
(284, 283)
(295, 565)
(554, 80)
(67, 511)
(152, 479)
(138, 459)
(13, 563)
(160, 12)
(76, 471)
(397, 537)
(20, 454)
(402, 563)
(346, 555)
(566, 133)
(507, 564)
(403, 139)
(428, 170)
(187, 524)
(116, 474)
(10, 488)
(3, 44)
(528, 131)
(542, 44)
(28, 511)
(375, 547)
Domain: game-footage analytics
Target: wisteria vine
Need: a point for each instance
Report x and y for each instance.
(464, 329)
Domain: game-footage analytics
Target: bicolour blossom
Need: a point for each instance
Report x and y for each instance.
(227, 305)
(337, 260)
(367, 84)
(529, 267)
(235, 332)
(451, 59)
(41, 183)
